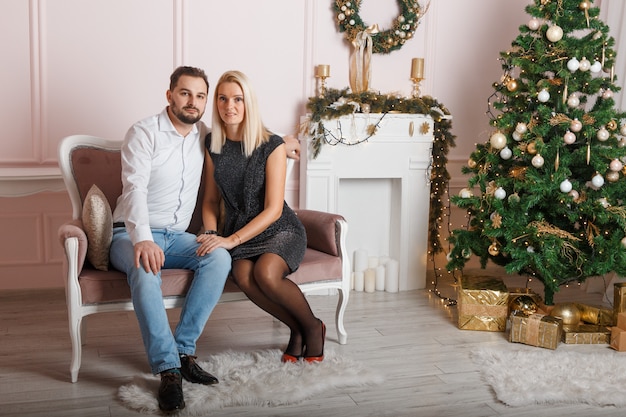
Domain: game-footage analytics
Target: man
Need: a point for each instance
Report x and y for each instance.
(162, 165)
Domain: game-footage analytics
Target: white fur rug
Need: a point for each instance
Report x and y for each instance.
(522, 375)
(253, 379)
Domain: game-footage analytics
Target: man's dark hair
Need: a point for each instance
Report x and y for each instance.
(191, 71)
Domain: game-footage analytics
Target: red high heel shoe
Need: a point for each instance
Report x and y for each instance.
(313, 359)
(287, 358)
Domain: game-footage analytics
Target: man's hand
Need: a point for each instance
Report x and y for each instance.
(293, 147)
(149, 255)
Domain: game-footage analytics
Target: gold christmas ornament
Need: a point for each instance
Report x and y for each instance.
(568, 312)
(612, 125)
(471, 163)
(511, 85)
(531, 148)
(494, 249)
(524, 304)
(612, 176)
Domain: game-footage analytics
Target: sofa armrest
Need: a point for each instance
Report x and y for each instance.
(74, 229)
(322, 230)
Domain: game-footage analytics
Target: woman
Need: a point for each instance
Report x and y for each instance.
(246, 168)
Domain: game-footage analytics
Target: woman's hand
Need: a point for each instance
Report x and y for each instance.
(210, 242)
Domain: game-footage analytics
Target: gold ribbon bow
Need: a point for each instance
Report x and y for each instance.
(360, 59)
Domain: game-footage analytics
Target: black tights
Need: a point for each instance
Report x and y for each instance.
(264, 281)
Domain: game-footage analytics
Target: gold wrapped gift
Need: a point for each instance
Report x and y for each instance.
(523, 299)
(618, 339)
(621, 320)
(482, 303)
(536, 330)
(586, 334)
(619, 297)
(596, 315)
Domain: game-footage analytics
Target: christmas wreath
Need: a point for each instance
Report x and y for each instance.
(404, 26)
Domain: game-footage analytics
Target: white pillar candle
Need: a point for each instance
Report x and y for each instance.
(383, 260)
(359, 281)
(360, 260)
(370, 280)
(380, 278)
(392, 277)
(372, 262)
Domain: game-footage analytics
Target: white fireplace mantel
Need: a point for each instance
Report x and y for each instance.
(381, 186)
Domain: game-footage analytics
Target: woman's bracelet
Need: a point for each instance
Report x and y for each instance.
(210, 232)
(238, 238)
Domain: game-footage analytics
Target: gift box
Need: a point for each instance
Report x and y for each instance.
(536, 330)
(621, 320)
(596, 315)
(619, 297)
(482, 303)
(618, 339)
(524, 300)
(586, 334)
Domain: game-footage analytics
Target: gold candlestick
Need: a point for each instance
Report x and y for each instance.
(417, 74)
(322, 72)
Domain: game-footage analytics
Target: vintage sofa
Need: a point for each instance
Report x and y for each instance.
(86, 161)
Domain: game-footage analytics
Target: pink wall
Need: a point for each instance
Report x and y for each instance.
(95, 67)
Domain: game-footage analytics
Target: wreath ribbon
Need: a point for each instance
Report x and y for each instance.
(360, 59)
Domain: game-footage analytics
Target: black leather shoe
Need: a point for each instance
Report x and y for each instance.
(171, 392)
(193, 373)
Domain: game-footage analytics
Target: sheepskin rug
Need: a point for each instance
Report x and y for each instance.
(257, 378)
(522, 375)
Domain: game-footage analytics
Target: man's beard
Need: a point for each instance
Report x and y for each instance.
(187, 119)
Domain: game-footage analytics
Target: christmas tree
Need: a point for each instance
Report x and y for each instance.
(552, 194)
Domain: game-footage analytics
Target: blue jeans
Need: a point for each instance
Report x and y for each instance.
(210, 273)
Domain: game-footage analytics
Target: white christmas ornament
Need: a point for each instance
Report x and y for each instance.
(604, 202)
(585, 65)
(597, 181)
(500, 194)
(573, 101)
(569, 137)
(516, 136)
(622, 130)
(537, 161)
(566, 186)
(543, 96)
(498, 140)
(573, 64)
(574, 194)
(534, 23)
(530, 249)
(607, 93)
(616, 165)
(602, 134)
(506, 153)
(521, 128)
(466, 193)
(575, 125)
(596, 67)
(554, 33)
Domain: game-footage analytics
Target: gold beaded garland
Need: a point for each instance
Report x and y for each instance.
(383, 42)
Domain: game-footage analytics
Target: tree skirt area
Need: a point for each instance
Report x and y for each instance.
(256, 378)
(522, 375)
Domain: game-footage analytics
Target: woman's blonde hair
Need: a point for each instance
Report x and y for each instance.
(254, 132)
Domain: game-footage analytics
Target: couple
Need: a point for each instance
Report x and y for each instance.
(163, 160)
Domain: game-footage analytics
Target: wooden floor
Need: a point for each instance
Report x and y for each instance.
(409, 337)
